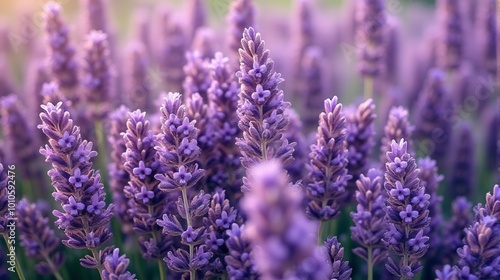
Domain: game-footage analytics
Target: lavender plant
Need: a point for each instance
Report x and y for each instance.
(261, 105)
(239, 259)
(241, 15)
(407, 213)
(326, 189)
(38, 239)
(462, 177)
(369, 220)
(95, 15)
(178, 152)
(398, 127)
(341, 269)
(196, 17)
(115, 267)
(139, 92)
(452, 34)
(197, 75)
(172, 54)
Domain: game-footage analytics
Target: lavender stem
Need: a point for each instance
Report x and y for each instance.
(192, 274)
(370, 262)
(18, 266)
(368, 87)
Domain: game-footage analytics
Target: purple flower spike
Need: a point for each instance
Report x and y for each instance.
(95, 15)
(261, 105)
(369, 218)
(451, 44)
(463, 171)
(97, 72)
(138, 84)
(302, 32)
(147, 201)
(38, 239)
(408, 218)
(239, 259)
(78, 187)
(61, 54)
(371, 23)
(328, 166)
(173, 53)
(197, 74)
(341, 269)
(285, 239)
(241, 16)
(115, 267)
(196, 17)
(397, 128)
(293, 133)
(487, 32)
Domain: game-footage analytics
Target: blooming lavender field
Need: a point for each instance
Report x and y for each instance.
(241, 139)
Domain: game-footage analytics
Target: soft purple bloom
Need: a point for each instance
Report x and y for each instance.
(241, 15)
(204, 42)
(195, 17)
(95, 15)
(487, 34)
(341, 269)
(78, 179)
(293, 133)
(397, 128)
(173, 53)
(328, 161)
(197, 73)
(399, 192)
(239, 260)
(138, 84)
(115, 267)
(452, 34)
(461, 181)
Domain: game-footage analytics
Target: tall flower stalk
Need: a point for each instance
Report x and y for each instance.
(407, 214)
(241, 15)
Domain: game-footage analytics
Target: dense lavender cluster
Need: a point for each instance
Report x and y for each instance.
(177, 151)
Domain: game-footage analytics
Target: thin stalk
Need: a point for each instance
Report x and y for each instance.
(52, 266)
(370, 263)
(18, 265)
(368, 87)
(101, 150)
(163, 272)
(192, 275)
(320, 232)
(95, 254)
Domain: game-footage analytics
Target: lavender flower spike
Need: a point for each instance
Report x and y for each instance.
(407, 213)
(452, 35)
(369, 219)
(196, 17)
(239, 261)
(38, 239)
(138, 86)
(115, 267)
(281, 234)
(463, 172)
(61, 54)
(241, 15)
(85, 217)
(341, 269)
(95, 15)
(197, 74)
(397, 128)
(328, 166)
(97, 72)
(486, 26)
(261, 106)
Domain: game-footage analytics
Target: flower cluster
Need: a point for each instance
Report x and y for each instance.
(397, 128)
(340, 268)
(239, 259)
(407, 214)
(327, 169)
(241, 16)
(197, 74)
(461, 182)
(115, 267)
(451, 45)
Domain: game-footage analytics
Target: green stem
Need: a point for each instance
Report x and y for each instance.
(163, 273)
(98, 260)
(18, 265)
(192, 274)
(368, 87)
(320, 232)
(370, 263)
(101, 150)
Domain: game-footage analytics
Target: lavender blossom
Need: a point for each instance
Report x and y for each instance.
(148, 202)
(172, 54)
(486, 29)
(461, 182)
(97, 73)
(37, 76)
(197, 74)
(199, 111)
(223, 102)
(196, 17)
(85, 218)
(178, 152)
(261, 105)
(341, 269)
(369, 219)
(461, 218)
(302, 32)
(370, 28)
(398, 127)
(239, 258)
(451, 44)
(138, 83)
(293, 133)
(38, 239)
(119, 177)
(407, 213)
(241, 16)
(392, 53)
(360, 142)
(115, 267)
(431, 124)
(281, 235)
(328, 166)
(447, 273)
(61, 54)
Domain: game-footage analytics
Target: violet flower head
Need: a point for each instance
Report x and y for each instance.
(61, 54)
(199, 112)
(371, 22)
(310, 86)
(432, 129)
(261, 106)
(97, 72)
(173, 54)
(461, 181)
(326, 190)
(197, 72)
(115, 267)
(398, 127)
(95, 15)
(451, 44)
(486, 29)
(196, 17)
(281, 235)
(369, 217)
(38, 239)
(147, 202)
(239, 261)
(341, 269)
(293, 133)
(241, 16)
(360, 142)
(407, 214)
(447, 273)
(85, 218)
(302, 31)
(461, 218)
(138, 85)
